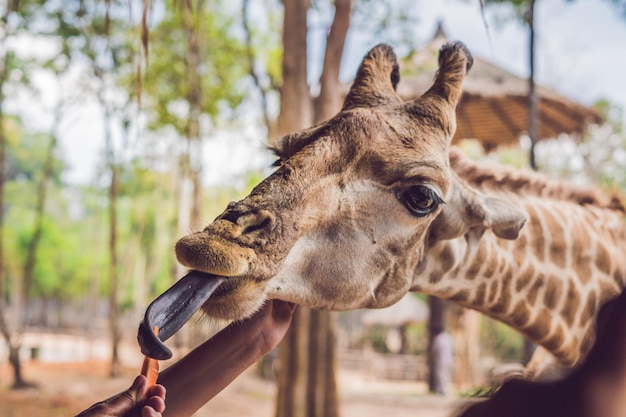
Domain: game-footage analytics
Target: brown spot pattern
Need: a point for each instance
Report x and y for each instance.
(435, 277)
(558, 245)
(525, 278)
(540, 328)
(446, 258)
(520, 248)
(479, 296)
(502, 303)
(590, 309)
(534, 289)
(619, 275)
(477, 262)
(520, 314)
(536, 232)
(490, 268)
(580, 252)
(571, 304)
(494, 288)
(460, 296)
(552, 292)
(555, 340)
(603, 258)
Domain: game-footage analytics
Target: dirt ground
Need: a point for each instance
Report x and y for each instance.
(64, 389)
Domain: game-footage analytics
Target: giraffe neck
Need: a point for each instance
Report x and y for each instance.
(548, 283)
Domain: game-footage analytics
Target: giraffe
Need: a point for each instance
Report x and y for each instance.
(550, 281)
(374, 203)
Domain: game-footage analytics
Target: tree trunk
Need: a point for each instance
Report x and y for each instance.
(194, 99)
(533, 129)
(436, 324)
(465, 330)
(295, 114)
(330, 99)
(9, 337)
(295, 97)
(307, 378)
(113, 277)
(114, 314)
(533, 133)
(245, 7)
(33, 245)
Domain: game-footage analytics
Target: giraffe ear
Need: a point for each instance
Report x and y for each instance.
(466, 209)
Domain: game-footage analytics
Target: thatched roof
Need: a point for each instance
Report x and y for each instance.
(494, 104)
(494, 107)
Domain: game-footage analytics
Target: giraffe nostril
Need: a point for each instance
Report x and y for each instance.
(262, 220)
(231, 216)
(259, 226)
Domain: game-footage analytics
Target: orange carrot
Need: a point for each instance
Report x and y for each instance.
(150, 367)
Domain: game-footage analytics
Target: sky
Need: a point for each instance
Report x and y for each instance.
(581, 45)
(581, 53)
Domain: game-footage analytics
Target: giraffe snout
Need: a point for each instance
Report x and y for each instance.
(209, 253)
(250, 223)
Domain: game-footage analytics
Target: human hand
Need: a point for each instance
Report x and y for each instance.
(137, 401)
(268, 326)
(202, 373)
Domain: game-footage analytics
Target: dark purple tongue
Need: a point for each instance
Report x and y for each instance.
(172, 309)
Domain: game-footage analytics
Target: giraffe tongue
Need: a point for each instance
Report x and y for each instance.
(172, 309)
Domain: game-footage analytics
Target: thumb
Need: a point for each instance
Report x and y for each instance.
(120, 404)
(127, 400)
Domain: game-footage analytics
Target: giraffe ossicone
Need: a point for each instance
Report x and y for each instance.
(374, 203)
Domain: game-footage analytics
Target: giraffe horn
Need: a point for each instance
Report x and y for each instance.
(376, 80)
(455, 61)
(172, 309)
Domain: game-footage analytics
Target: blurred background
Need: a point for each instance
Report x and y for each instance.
(127, 124)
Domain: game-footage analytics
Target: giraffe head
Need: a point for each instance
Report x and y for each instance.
(354, 204)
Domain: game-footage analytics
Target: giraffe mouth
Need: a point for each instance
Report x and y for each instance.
(172, 309)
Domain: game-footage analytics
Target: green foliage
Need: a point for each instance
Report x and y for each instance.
(167, 87)
(26, 154)
(393, 22)
(501, 341)
(62, 257)
(482, 391)
(613, 114)
(377, 337)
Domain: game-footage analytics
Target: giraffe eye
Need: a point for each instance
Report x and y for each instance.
(420, 200)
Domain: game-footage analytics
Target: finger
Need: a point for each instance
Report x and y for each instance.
(156, 403)
(121, 403)
(282, 309)
(149, 412)
(125, 401)
(138, 389)
(157, 390)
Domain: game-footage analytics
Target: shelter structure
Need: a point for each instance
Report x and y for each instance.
(494, 107)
